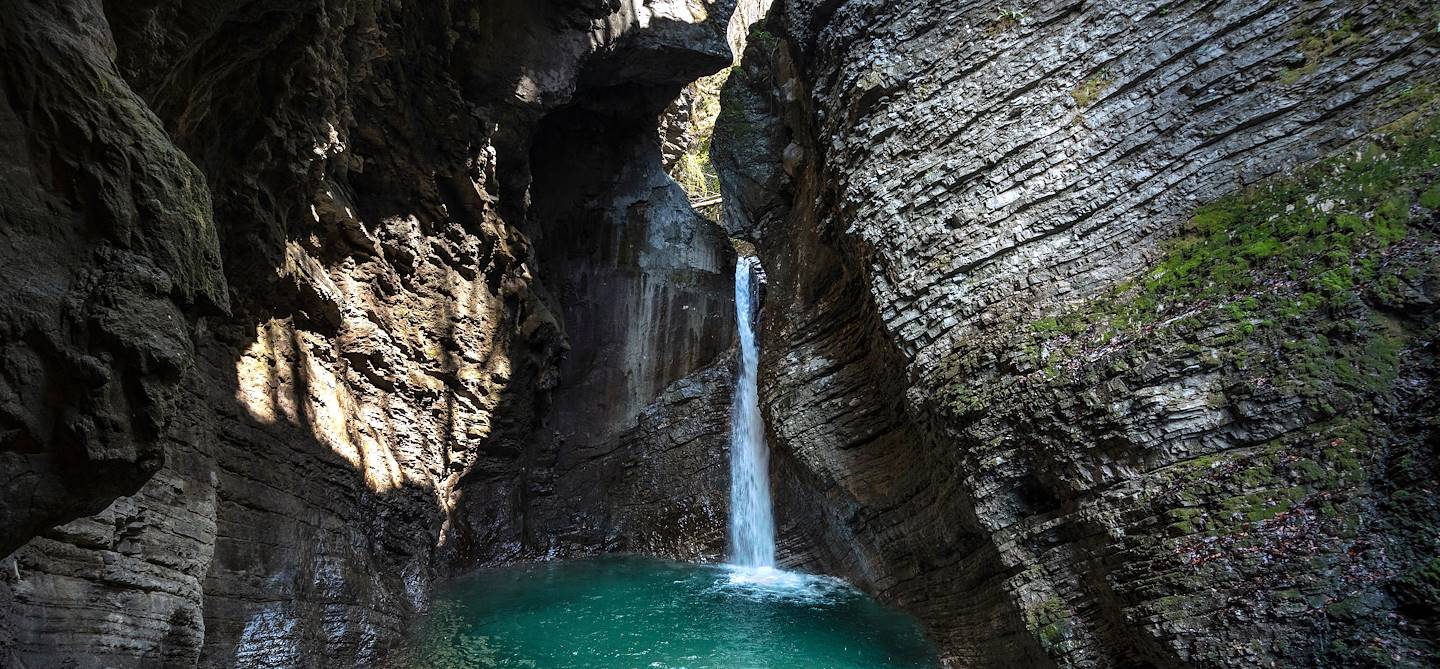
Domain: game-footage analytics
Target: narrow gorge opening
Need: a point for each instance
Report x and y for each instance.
(350, 334)
(631, 257)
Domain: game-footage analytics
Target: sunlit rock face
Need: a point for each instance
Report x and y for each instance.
(278, 343)
(1001, 398)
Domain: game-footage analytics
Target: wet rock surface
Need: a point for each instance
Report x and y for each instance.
(266, 465)
(1094, 334)
(992, 401)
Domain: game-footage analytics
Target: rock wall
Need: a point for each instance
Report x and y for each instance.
(1072, 349)
(646, 288)
(109, 241)
(681, 124)
(658, 487)
(279, 348)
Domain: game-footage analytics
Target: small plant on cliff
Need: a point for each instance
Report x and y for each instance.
(1089, 90)
(1009, 18)
(763, 38)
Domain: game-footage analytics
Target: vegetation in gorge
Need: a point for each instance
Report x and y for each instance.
(1308, 303)
(693, 170)
(1089, 91)
(714, 104)
(1317, 45)
(1318, 243)
(1270, 261)
(732, 121)
(1047, 619)
(1008, 18)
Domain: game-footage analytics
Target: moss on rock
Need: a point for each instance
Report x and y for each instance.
(1269, 372)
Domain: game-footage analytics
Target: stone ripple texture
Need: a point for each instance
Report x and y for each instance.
(280, 333)
(925, 177)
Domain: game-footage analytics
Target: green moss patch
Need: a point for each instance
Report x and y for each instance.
(1274, 280)
(1048, 621)
(1317, 45)
(1089, 91)
(693, 170)
(1307, 240)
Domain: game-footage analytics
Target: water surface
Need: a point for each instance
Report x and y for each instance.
(642, 613)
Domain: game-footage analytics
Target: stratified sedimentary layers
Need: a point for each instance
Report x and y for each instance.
(1071, 346)
(266, 465)
(1002, 397)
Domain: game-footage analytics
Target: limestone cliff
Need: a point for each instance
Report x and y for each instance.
(1095, 334)
(290, 291)
(1103, 334)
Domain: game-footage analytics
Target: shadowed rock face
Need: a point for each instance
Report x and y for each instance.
(1070, 347)
(1001, 398)
(638, 271)
(267, 464)
(108, 240)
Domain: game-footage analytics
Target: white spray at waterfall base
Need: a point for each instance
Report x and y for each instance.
(751, 572)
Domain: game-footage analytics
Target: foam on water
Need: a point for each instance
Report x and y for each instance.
(771, 584)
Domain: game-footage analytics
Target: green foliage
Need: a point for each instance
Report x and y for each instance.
(732, 122)
(762, 38)
(1422, 585)
(1088, 92)
(1048, 620)
(1430, 199)
(693, 170)
(1317, 46)
(1008, 18)
(964, 401)
(1316, 233)
(1280, 282)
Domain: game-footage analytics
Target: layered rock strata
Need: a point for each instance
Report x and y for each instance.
(278, 343)
(1073, 350)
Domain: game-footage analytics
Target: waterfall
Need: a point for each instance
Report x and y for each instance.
(752, 525)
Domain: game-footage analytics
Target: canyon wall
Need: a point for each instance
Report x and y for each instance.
(1096, 334)
(308, 303)
(1103, 334)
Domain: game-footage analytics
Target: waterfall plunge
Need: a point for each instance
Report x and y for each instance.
(752, 524)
